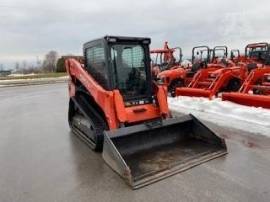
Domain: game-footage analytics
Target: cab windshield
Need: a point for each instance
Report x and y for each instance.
(259, 53)
(128, 62)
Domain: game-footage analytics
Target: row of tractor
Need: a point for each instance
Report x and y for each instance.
(244, 79)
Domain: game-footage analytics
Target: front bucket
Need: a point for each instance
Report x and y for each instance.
(146, 153)
(193, 92)
(248, 99)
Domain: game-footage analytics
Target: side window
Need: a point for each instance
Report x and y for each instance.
(95, 64)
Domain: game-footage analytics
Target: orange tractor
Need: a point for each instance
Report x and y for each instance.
(218, 53)
(179, 76)
(255, 91)
(230, 77)
(235, 55)
(210, 83)
(116, 107)
(219, 76)
(165, 59)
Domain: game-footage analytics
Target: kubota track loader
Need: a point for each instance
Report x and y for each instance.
(116, 108)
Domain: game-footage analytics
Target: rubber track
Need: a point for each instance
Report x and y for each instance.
(90, 113)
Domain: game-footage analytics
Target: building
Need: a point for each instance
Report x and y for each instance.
(5, 72)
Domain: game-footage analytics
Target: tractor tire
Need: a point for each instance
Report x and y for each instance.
(175, 84)
(233, 85)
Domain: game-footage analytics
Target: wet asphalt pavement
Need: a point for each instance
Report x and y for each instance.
(40, 160)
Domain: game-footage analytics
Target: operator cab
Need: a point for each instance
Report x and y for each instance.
(200, 59)
(121, 63)
(235, 54)
(220, 54)
(258, 51)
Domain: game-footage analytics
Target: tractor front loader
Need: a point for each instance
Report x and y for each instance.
(116, 108)
(220, 75)
(208, 82)
(255, 90)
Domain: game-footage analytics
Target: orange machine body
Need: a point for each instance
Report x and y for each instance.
(112, 103)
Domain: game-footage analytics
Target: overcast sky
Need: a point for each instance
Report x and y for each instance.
(30, 28)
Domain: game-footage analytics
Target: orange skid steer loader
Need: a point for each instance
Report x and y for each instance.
(116, 108)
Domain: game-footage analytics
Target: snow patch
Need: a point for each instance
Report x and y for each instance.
(21, 75)
(228, 114)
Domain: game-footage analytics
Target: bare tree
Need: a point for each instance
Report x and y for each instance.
(39, 62)
(49, 63)
(17, 66)
(24, 64)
